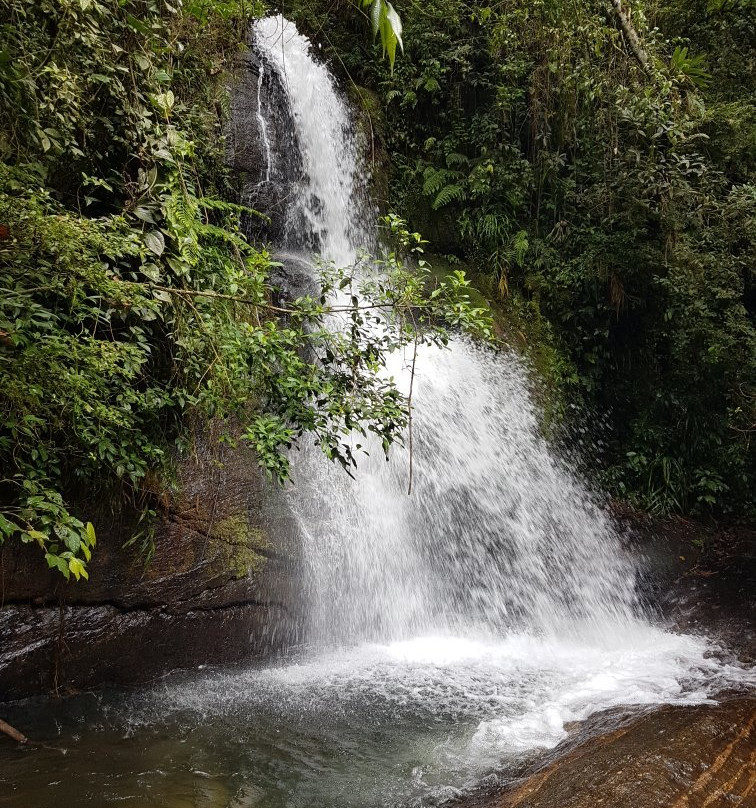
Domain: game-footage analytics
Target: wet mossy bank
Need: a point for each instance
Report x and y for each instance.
(210, 580)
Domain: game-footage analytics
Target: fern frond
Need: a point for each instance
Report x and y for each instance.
(212, 203)
(221, 234)
(451, 193)
(491, 228)
(434, 179)
(456, 159)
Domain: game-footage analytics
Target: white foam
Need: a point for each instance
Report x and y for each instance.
(515, 693)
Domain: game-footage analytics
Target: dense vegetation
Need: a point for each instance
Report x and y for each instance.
(132, 309)
(594, 160)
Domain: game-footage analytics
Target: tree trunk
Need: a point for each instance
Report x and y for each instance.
(631, 35)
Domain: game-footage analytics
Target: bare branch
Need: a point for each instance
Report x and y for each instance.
(12, 732)
(409, 411)
(325, 310)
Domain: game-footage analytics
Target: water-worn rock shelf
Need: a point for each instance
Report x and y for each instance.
(220, 586)
(672, 757)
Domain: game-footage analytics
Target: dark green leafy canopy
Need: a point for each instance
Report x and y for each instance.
(603, 186)
(131, 306)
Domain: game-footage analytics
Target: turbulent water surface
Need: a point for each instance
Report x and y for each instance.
(452, 633)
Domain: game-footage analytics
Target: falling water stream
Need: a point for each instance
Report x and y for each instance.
(451, 633)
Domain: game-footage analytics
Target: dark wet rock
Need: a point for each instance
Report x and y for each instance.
(220, 586)
(671, 757)
(698, 578)
(293, 276)
(266, 162)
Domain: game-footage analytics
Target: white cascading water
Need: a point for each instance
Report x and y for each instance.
(457, 628)
(497, 533)
(262, 124)
(329, 199)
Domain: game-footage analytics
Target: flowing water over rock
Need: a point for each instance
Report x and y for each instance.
(497, 534)
(326, 206)
(452, 632)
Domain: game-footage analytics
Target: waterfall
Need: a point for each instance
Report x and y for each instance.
(498, 534)
(327, 210)
(453, 633)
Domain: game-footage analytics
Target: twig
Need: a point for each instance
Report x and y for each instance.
(269, 306)
(409, 413)
(19, 737)
(12, 732)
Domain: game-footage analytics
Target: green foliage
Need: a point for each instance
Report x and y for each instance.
(386, 25)
(692, 67)
(131, 305)
(611, 207)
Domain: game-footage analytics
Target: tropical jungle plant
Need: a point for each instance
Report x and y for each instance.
(594, 161)
(132, 307)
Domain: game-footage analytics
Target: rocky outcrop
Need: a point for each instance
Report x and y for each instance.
(673, 757)
(211, 580)
(212, 577)
(262, 149)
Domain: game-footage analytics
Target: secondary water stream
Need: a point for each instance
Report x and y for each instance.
(452, 633)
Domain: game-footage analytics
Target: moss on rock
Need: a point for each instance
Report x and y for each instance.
(238, 546)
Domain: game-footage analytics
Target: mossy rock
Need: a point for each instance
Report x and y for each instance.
(240, 548)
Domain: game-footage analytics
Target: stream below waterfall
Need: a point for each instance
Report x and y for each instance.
(451, 635)
(408, 723)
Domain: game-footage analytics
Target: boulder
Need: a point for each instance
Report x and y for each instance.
(670, 757)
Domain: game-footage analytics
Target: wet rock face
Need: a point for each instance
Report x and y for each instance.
(672, 757)
(219, 586)
(293, 277)
(217, 579)
(262, 150)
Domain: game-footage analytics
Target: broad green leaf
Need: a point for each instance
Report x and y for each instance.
(38, 536)
(155, 242)
(77, 567)
(145, 214)
(59, 563)
(6, 526)
(376, 11)
(395, 23)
